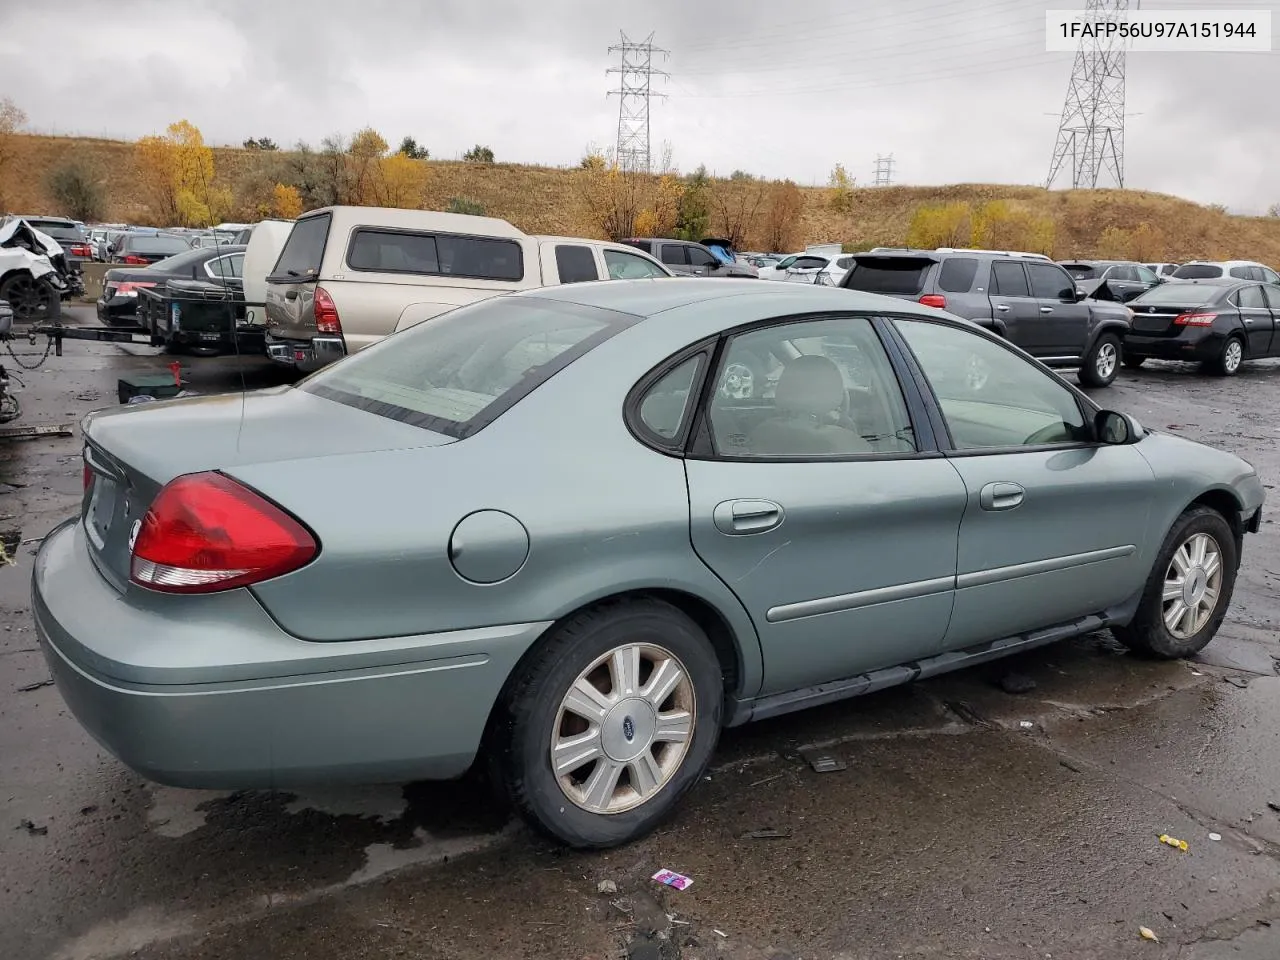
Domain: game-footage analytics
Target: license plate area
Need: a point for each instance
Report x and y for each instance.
(101, 512)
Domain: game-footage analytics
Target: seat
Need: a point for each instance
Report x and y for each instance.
(809, 391)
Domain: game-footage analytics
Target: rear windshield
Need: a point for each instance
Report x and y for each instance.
(457, 373)
(887, 274)
(1081, 271)
(57, 230)
(1177, 294)
(435, 254)
(153, 246)
(303, 251)
(1197, 271)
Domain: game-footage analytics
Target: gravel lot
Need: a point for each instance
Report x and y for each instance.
(955, 831)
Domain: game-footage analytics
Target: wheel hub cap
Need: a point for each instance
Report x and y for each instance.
(1193, 589)
(628, 730)
(1192, 586)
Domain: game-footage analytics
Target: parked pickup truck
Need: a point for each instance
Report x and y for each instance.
(1025, 297)
(349, 276)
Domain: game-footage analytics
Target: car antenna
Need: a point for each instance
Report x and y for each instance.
(231, 316)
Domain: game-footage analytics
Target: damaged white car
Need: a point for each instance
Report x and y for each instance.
(32, 271)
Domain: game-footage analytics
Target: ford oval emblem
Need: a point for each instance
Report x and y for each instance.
(628, 729)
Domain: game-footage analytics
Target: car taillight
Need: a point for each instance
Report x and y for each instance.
(204, 533)
(934, 300)
(1195, 319)
(81, 251)
(326, 312)
(133, 259)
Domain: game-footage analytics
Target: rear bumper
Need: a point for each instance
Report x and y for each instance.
(306, 355)
(1196, 346)
(211, 693)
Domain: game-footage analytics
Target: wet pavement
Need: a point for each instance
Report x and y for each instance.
(968, 821)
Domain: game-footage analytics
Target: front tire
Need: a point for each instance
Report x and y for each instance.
(1189, 589)
(612, 720)
(1227, 363)
(1102, 362)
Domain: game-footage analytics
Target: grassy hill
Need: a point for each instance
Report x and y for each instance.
(545, 200)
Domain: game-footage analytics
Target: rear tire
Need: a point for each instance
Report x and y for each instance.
(1132, 362)
(1227, 362)
(1101, 363)
(1160, 629)
(537, 718)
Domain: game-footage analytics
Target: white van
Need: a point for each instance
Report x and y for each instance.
(266, 240)
(349, 276)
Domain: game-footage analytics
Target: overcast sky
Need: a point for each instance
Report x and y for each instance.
(956, 90)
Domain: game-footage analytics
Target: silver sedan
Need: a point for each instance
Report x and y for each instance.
(576, 532)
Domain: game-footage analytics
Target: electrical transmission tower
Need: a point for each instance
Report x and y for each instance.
(1091, 131)
(884, 171)
(634, 75)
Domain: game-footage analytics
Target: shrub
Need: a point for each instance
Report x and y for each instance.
(465, 205)
(478, 154)
(77, 191)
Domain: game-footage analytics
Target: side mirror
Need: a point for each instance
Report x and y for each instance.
(1117, 429)
(1080, 294)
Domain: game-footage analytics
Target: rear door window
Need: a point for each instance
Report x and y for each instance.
(673, 253)
(1008, 279)
(957, 273)
(1250, 298)
(575, 263)
(627, 266)
(901, 275)
(379, 250)
(303, 251)
(1272, 294)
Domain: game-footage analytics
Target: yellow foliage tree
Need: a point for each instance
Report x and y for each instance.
(841, 184)
(401, 181)
(365, 158)
(1147, 243)
(286, 201)
(735, 206)
(611, 199)
(780, 231)
(946, 225)
(1002, 225)
(176, 174)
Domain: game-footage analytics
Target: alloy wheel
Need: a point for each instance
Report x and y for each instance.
(623, 728)
(1232, 356)
(1105, 362)
(28, 297)
(1192, 585)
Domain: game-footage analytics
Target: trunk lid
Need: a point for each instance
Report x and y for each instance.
(132, 452)
(291, 285)
(1156, 316)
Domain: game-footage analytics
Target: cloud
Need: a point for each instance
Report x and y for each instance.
(956, 90)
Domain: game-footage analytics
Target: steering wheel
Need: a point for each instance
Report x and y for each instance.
(741, 380)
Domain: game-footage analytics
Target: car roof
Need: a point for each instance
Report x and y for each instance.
(346, 217)
(646, 298)
(1224, 263)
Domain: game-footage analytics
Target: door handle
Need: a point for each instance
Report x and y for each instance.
(1002, 307)
(1001, 495)
(739, 517)
(1046, 309)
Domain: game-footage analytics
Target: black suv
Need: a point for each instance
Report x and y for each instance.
(1025, 297)
(691, 259)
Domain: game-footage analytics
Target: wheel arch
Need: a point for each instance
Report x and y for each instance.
(1223, 501)
(1104, 326)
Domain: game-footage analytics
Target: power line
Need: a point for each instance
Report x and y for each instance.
(634, 92)
(884, 171)
(1091, 130)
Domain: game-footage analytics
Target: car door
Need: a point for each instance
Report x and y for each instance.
(673, 256)
(1064, 320)
(1147, 278)
(1055, 526)
(1272, 294)
(1122, 281)
(1256, 317)
(821, 505)
(1016, 311)
(702, 263)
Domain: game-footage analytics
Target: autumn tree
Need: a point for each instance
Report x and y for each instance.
(1113, 244)
(77, 191)
(610, 198)
(401, 181)
(841, 184)
(1001, 225)
(944, 225)
(736, 208)
(1147, 243)
(176, 173)
(693, 208)
(286, 202)
(12, 120)
(780, 229)
(657, 218)
(365, 156)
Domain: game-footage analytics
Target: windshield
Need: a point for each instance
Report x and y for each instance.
(903, 275)
(1082, 271)
(58, 229)
(455, 374)
(1197, 271)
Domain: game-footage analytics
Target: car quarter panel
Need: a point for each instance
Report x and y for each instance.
(1187, 471)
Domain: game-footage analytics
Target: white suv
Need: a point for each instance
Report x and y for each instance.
(1219, 269)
